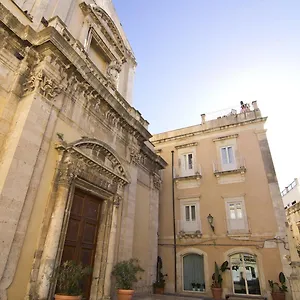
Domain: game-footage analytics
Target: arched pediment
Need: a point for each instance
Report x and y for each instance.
(102, 154)
(109, 27)
(91, 160)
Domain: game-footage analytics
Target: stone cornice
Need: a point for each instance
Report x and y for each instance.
(74, 53)
(206, 131)
(186, 145)
(227, 137)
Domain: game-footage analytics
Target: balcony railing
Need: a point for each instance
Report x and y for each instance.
(188, 229)
(237, 165)
(193, 172)
(238, 226)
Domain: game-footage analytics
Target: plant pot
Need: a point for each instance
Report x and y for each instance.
(159, 290)
(64, 297)
(217, 293)
(125, 294)
(194, 289)
(278, 296)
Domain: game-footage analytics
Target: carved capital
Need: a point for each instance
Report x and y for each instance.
(117, 200)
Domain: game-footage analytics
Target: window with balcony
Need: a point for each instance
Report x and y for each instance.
(187, 164)
(228, 158)
(190, 217)
(236, 216)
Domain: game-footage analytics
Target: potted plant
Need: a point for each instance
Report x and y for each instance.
(278, 290)
(202, 287)
(198, 285)
(217, 278)
(159, 284)
(68, 278)
(193, 286)
(125, 273)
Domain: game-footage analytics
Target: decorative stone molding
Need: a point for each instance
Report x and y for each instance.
(186, 145)
(157, 182)
(193, 235)
(113, 72)
(117, 201)
(108, 28)
(80, 71)
(227, 137)
(93, 159)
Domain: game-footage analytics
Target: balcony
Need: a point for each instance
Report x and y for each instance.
(188, 178)
(238, 166)
(190, 229)
(238, 227)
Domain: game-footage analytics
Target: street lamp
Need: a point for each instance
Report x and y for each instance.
(210, 220)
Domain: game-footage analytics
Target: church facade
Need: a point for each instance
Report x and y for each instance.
(77, 170)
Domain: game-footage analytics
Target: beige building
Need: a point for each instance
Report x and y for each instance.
(291, 194)
(227, 206)
(77, 170)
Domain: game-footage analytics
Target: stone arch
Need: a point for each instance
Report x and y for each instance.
(179, 263)
(92, 166)
(246, 250)
(102, 153)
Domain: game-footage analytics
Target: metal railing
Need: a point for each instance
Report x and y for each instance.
(179, 172)
(189, 226)
(235, 229)
(289, 187)
(237, 164)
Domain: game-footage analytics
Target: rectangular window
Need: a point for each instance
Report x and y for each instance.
(236, 216)
(227, 158)
(190, 217)
(188, 161)
(190, 213)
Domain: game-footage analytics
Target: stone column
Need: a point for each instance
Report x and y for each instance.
(52, 241)
(153, 230)
(21, 153)
(111, 248)
(128, 215)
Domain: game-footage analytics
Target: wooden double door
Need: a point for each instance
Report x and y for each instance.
(81, 238)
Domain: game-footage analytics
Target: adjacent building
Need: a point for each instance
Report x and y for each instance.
(79, 178)
(227, 206)
(291, 194)
(291, 198)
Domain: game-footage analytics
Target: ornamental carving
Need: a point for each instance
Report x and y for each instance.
(157, 181)
(117, 201)
(93, 161)
(113, 72)
(184, 235)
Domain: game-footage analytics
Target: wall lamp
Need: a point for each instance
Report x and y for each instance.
(210, 220)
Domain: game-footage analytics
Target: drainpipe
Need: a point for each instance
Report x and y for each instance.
(174, 227)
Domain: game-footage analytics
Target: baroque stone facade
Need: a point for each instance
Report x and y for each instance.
(67, 128)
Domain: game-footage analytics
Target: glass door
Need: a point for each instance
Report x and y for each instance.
(244, 273)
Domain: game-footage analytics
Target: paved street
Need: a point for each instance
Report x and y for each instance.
(168, 297)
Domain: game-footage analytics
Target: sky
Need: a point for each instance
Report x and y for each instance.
(197, 56)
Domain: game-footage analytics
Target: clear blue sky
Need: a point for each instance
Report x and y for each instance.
(197, 56)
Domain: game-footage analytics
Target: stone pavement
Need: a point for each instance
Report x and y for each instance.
(168, 297)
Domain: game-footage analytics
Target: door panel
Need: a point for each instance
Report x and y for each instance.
(81, 237)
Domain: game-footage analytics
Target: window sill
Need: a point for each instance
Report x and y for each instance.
(241, 170)
(239, 234)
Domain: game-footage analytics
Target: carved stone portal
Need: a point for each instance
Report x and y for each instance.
(90, 165)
